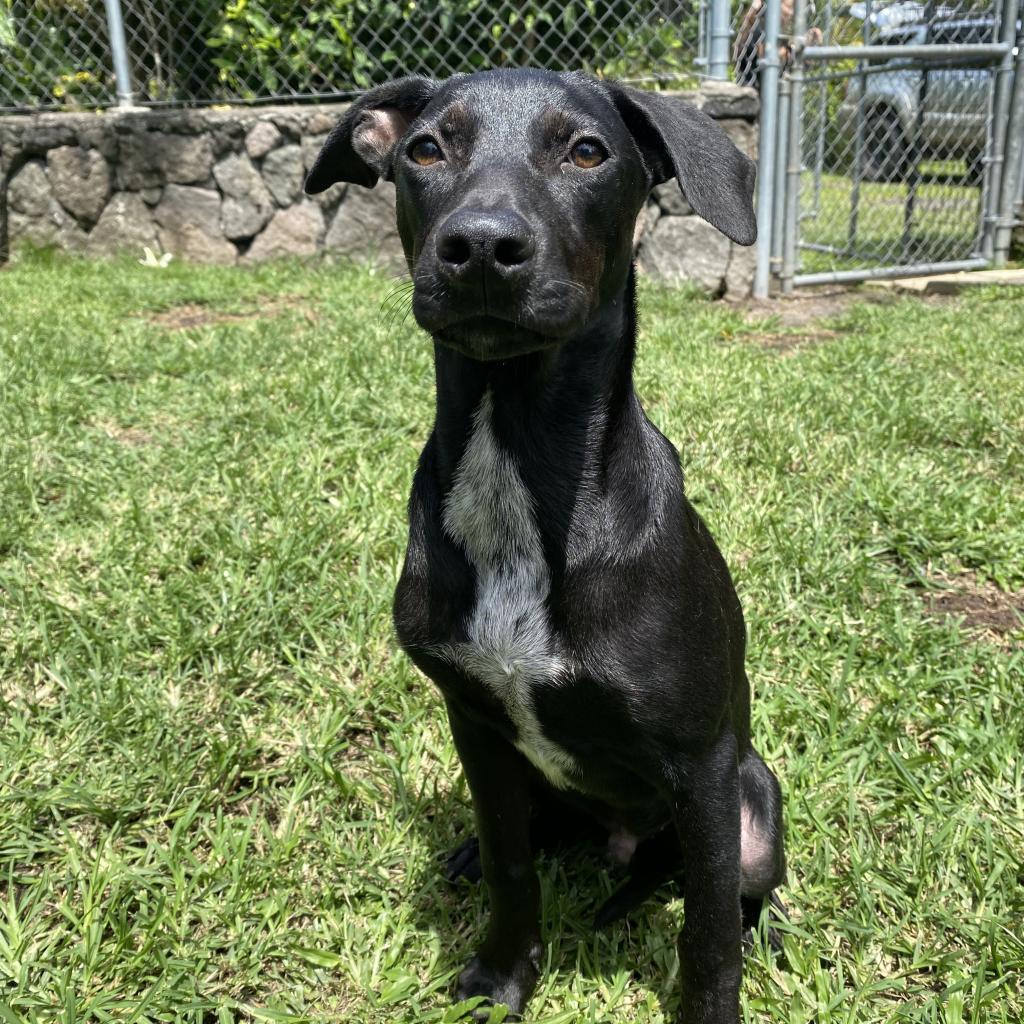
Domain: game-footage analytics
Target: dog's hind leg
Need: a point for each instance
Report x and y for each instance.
(762, 860)
(657, 861)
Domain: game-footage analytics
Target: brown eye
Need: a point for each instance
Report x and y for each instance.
(588, 153)
(426, 152)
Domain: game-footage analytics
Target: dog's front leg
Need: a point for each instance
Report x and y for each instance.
(707, 815)
(507, 965)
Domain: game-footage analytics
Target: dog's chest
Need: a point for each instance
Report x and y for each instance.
(509, 647)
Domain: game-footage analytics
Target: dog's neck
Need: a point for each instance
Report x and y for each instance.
(568, 417)
(544, 402)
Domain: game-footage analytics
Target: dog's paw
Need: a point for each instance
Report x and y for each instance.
(464, 862)
(512, 987)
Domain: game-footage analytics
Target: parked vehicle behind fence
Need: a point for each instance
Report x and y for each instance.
(946, 113)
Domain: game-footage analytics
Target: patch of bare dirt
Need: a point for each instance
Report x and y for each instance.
(798, 320)
(132, 437)
(791, 342)
(197, 314)
(808, 305)
(982, 607)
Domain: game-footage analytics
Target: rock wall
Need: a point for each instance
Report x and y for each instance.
(225, 186)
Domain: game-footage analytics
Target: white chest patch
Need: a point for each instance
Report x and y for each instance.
(509, 646)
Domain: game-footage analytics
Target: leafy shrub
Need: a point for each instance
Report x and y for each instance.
(267, 47)
(57, 51)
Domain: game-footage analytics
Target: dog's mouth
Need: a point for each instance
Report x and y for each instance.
(488, 337)
(504, 326)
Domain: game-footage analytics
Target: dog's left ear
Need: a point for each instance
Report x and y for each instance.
(360, 146)
(678, 140)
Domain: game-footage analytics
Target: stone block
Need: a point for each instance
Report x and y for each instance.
(743, 135)
(248, 205)
(189, 221)
(56, 227)
(34, 215)
(739, 278)
(44, 132)
(289, 123)
(670, 199)
(320, 123)
(150, 159)
(282, 172)
(295, 231)
(81, 181)
(682, 249)
(126, 223)
(29, 192)
(725, 99)
(226, 137)
(261, 138)
(364, 228)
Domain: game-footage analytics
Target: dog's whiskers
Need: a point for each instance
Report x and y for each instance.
(573, 285)
(397, 295)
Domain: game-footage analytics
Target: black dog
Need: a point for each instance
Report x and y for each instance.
(558, 587)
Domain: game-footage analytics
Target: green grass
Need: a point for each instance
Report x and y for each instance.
(945, 220)
(223, 790)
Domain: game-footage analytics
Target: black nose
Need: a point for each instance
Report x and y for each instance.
(499, 241)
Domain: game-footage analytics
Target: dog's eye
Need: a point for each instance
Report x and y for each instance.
(588, 153)
(426, 152)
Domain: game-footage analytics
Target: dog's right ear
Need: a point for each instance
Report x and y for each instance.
(360, 146)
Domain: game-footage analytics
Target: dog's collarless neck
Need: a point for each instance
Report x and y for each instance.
(551, 411)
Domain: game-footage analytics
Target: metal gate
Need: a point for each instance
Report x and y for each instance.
(892, 139)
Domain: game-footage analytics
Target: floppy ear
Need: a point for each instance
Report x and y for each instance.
(360, 146)
(678, 140)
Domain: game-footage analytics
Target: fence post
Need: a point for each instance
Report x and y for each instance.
(718, 56)
(795, 150)
(858, 139)
(119, 51)
(766, 146)
(1000, 116)
(703, 47)
(914, 175)
(1013, 154)
(781, 181)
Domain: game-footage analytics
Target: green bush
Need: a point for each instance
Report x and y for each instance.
(266, 47)
(56, 51)
(53, 53)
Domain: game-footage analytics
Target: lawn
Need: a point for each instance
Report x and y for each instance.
(223, 790)
(944, 223)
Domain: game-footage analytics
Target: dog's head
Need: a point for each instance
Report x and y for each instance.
(518, 191)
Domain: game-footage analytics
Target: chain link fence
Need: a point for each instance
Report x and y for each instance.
(896, 139)
(894, 149)
(57, 53)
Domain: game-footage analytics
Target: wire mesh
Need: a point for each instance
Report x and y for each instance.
(894, 151)
(55, 53)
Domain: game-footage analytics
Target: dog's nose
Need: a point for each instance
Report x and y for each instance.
(499, 241)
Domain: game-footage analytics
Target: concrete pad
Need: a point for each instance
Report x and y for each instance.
(950, 284)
